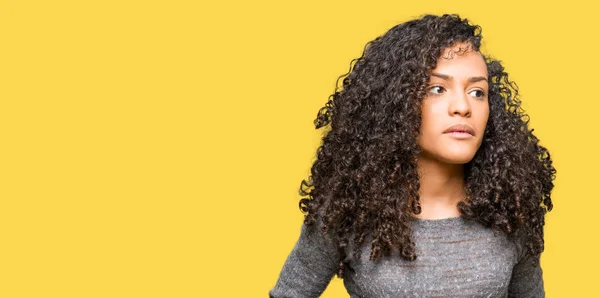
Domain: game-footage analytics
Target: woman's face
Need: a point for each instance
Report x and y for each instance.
(457, 94)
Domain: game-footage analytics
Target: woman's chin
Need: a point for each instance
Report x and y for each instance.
(460, 158)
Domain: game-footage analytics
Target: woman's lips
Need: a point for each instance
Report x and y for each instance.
(460, 128)
(459, 134)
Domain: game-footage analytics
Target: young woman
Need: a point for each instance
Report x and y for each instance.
(429, 182)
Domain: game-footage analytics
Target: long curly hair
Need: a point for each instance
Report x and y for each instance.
(364, 180)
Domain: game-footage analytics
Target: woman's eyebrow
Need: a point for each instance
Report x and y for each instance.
(450, 78)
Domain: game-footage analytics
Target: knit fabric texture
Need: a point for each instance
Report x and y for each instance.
(456, 257)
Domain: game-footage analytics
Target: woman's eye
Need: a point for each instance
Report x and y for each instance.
(436, 90)
(477, 93)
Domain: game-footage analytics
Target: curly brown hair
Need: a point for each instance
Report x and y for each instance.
(364, 180)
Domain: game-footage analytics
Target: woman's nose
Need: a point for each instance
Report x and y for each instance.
(460, 105)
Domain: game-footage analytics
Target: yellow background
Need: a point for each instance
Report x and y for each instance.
(155, 148)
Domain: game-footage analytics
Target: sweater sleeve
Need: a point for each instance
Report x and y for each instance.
(527, 278)
(309, 267)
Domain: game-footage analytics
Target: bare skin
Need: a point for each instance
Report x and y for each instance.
(457, 94)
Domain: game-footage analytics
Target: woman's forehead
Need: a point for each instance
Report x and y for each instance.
(458, 48)
(459, 62)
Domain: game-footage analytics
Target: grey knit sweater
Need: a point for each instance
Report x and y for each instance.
(455, 258)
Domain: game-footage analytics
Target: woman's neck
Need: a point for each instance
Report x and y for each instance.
(441, 188)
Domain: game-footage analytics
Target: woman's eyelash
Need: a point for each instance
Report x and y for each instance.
(481, 92)
(432, 87)
(442, 89)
